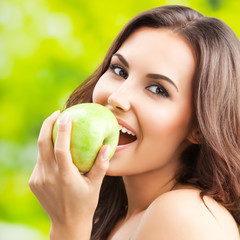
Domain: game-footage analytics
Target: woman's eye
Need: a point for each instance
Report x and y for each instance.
(119, 71)
(158, 90)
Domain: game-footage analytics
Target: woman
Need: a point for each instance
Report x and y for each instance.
(171, 77)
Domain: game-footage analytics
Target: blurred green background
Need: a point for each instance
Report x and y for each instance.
(47, 47)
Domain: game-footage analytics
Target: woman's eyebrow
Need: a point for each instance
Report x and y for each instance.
(122, 59)
(162, 77)
(150, 75)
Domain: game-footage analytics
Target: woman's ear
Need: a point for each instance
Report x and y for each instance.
(195, 136)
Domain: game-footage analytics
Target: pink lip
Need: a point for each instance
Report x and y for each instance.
(121, 147)
(122, 123)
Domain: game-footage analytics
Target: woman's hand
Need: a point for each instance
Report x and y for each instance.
(68, 197)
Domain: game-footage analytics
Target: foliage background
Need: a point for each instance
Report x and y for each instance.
(47, 47)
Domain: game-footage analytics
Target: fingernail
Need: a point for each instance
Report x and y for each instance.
(55, 113)
(64, 119)
(106, 154)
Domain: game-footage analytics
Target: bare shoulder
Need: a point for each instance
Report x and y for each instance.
(181, 214)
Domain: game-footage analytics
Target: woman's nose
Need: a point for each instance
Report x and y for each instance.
(119, 101)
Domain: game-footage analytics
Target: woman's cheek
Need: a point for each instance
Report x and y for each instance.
(167, 122)
(99, 95)
(103, 89)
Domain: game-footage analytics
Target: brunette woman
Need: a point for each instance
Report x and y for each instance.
(172, 78)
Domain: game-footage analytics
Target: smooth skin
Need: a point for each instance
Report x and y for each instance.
(159, 110)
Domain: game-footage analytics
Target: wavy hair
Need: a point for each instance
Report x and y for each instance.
(212, 165)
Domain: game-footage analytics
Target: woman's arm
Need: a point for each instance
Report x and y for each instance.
(68, 197)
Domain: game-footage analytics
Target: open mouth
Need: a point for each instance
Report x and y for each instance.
(126, 136)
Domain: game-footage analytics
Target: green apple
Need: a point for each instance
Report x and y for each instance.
(93, 125)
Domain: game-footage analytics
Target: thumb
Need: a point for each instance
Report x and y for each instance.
(98, 170)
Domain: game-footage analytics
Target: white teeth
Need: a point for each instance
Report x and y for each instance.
(125, 130)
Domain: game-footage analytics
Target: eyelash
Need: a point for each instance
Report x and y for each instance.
(113, 67)
(162, 92)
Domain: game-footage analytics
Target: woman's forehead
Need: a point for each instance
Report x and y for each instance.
(159, 51)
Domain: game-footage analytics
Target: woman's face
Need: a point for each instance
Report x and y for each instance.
(148, 87)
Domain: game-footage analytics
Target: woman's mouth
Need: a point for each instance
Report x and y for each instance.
(126, 136)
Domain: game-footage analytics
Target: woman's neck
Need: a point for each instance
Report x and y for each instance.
(143, 189)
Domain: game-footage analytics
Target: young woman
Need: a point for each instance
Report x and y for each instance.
(172, 78)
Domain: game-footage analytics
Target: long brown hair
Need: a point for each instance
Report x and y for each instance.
(212, 165)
